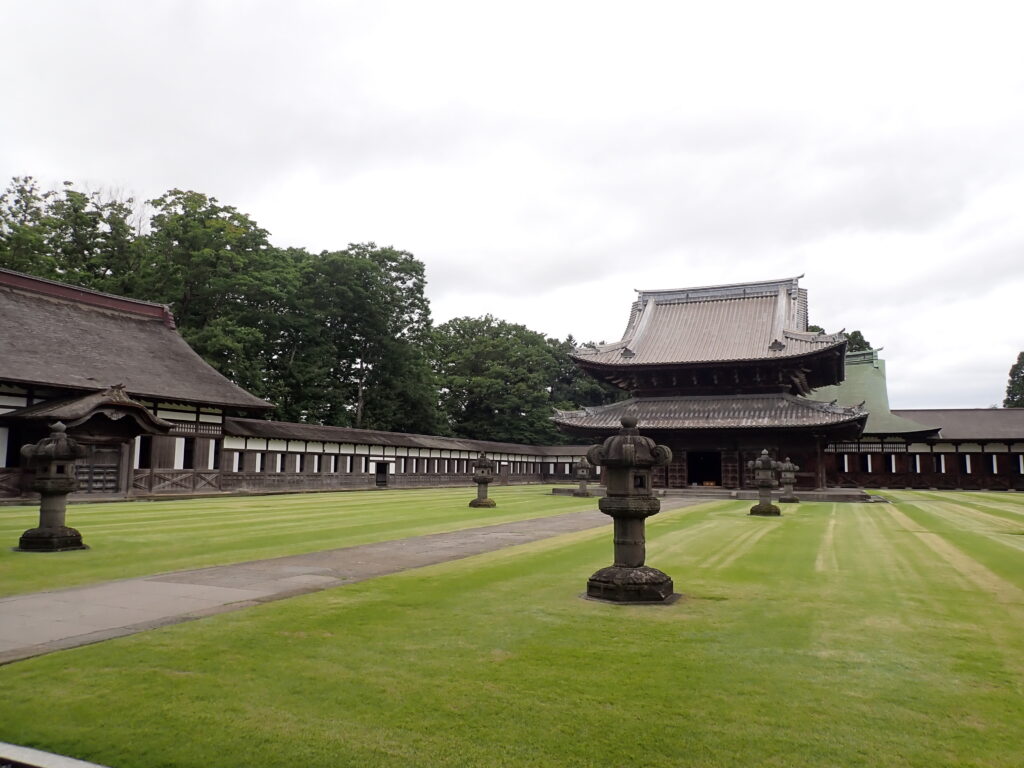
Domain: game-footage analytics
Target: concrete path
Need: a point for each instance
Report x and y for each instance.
(43, 622)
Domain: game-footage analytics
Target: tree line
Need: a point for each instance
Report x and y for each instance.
(341, 337)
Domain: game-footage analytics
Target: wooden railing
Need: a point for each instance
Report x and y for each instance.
(175, 480)
(10, 482)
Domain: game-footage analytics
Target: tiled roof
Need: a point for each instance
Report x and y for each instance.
(971, 423)
(761, 411)
(67, 337)
(743, 321)
(282, 430)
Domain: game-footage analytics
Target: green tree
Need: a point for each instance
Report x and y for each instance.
(1015, 385)
(495, 380)
(216, 268)
(857, 342)
(25, 229)
(367, 344)
(571, 387)
(81, 238)
(92, 240)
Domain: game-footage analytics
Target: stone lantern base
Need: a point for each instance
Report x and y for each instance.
(789, 499)
(765, 509)
(483, 503)
(50, 540)
(622, 584)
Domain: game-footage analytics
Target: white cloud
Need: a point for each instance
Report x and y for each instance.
(544, 159)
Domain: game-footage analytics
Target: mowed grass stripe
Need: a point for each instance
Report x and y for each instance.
(1007, 532)
(668, 531)
(891, 559)
(963, 564)
(324, 506)
(132, 539)
(495, 661)
(1006, 508)
(995, 552)
(973, 518)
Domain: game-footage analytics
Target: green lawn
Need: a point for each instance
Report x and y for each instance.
(838, 635)
(143, 538)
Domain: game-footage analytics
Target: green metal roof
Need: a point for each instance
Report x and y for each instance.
(865, 383)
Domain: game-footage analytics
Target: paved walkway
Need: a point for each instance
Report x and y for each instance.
(43, 622)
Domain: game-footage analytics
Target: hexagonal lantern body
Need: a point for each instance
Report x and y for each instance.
(764, 476)
(483, 475)
(787, 472)
(764, 469)
(626, 460)
(53, 459)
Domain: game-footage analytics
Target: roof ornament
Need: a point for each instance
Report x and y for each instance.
(776, 346)
(798, 377)
(116, 392)
(627, 352)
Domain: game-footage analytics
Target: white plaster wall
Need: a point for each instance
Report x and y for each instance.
(179, 453)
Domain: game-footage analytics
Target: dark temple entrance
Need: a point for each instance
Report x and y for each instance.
(382, 474)
(704, 467)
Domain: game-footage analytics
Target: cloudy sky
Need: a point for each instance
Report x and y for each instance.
(544, 159)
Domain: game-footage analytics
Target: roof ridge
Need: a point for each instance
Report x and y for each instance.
(21, 281)
(725, 290)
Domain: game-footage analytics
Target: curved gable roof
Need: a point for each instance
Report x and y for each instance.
(63, 336)
(719, 323)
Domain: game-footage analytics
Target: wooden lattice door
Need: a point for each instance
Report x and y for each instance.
(100, 470)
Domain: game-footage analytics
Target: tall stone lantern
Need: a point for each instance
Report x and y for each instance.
(764, 476)
(583, 471)
(787, 475)
(53, 459)
(627, 458)
(483, 475)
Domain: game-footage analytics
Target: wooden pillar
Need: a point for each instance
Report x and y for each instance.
(820, 460)
(127, 468)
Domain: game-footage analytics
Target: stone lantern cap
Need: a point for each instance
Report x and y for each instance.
(629, 448)
(56, 447)
(762, 462)
(789, 466)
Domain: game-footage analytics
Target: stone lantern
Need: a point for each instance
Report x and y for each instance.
(53, 459)
(787, 473)
(483, 475)
(764, 476)
(583, 471)
(627, 458)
